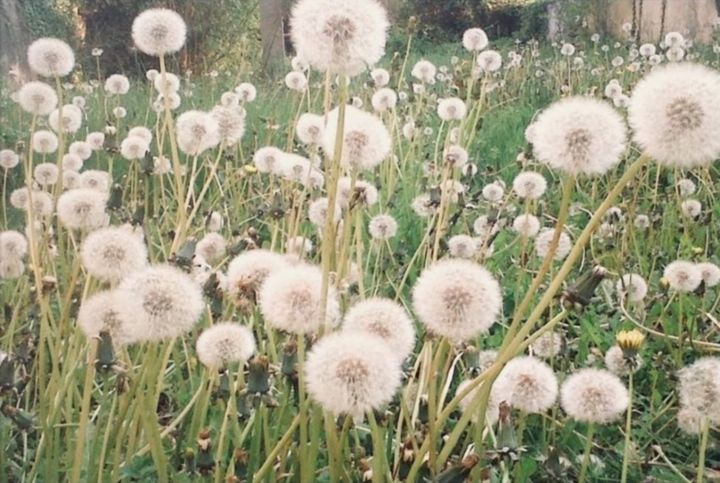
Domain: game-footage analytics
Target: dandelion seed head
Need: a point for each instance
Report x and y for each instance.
(50, 57)
(451, 109)
(619, 364)
(529, 185)
(197, 132)
(82, 209)
(699, 388)
(543, 241)
(632, 286)
(212, 247)
(248, 270)
(111, 254)
(134, 148)
(548, 346)
(102, 312)
(46, 174)
(526, 225)
(594, 396)
(225, 343)
(44, 142)
(474, 39)
(159, 31)
(683, 276)
(462, 246)
(13, 244)
(310, 129)
(37, 98)
(382, 227)
(366, 140)
(528, 384)
(117, 84)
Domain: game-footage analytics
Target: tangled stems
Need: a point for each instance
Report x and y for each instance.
(511, 348)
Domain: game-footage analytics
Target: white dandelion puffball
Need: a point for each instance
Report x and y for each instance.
(8, 159)
(42, 201)
(529, 185)
(318, 212)
(70, 179)
(699, 387)
(69, 122)
(675, 115)
(13, 244)
(117, 84)
(197, 132)
(296, 81)
(96, 140)
(690, 421)
(211, 247)
(46, 174)
(686, 187)
(50, 57)
(674, 39)
(384, 99)
(363, 194)
(166, 84)
(462, 246)
(382, 227)
(162, 302)
(351, 373)
(103, 312)
(134, 148)
(290, 300)
(594, 396)
(110, 254)
(632, 286)
(579, 135)
(81, 149)
(489, 61)
(269, 159)
(451, 109)
(380, 76)
(385, 319)
(455, 156)
(159, 31)
(710, 273)
(247, 271)
(11, 268)
(493, 192)
(691, 208)
(141, 132)
(567, 49)
(246, 91)
(310, 128)
(683, 276)
(526, 225)
(344, 37)
(96, 180)
(619, 364)
(37, 98)
(424, 71)
(474, 39)
(646, 50)
(82, 209)
(458, 299)
(548, 346)
(231, 123)
(366, 140)
(528, 384)
(224, 343)
(544, 239)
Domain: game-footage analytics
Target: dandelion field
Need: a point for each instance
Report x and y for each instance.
(517, 280)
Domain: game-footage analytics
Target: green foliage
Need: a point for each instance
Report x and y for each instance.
(46, 18)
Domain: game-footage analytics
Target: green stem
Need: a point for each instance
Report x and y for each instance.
(586, 454)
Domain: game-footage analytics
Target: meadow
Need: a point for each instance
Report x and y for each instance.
(517, 281)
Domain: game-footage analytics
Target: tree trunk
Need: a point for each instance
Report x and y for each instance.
(14, 39)
(273, 16)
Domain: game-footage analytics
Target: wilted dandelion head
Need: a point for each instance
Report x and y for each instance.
(683, 276)
(543, 242)
(110, 254)
(197, 132)
(343, 37)
(44, 142)
(387, 320)
(458, 299)
(382, 227)
(548, 346)
(632, 286)
(526, 225)
(579, 135)
(37, 98)
(162, 302)
(247, 272)
(699, 388)
(594, 396)
(528, 384)
(159, 31)
(46, 174)
(352, 373)
(529, 185)
(8, 159)
(12, 245)
(50, 57)
(451, 109)
(474, 39)
(310, 128)
(366, 140)
(290, 300)
(675, 115)
(619, 363)
(103, 312)
(82, 209)
(70, 120)
(225, 343)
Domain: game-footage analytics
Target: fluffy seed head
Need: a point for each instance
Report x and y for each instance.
(548, 346)
(618, 363)
(382, 227)
(82, 209)
(12, 245)
(387, 320)
(344, 37)
(366, 140)
(117, 84)
(529, 185)
(528, 384)
(424, 71)
(102, 312)
(462, 246)
(8, 159)
(544, 239)
(699, 387)
(247, 272)
(69, 122)
(197, 132)
(37, 98)
(224, 343)
(579, 135)
(675, 115)
(50, 57)
(46, 174)
(526, 225)
(352, 373)
(457, 299)
(710, 273)
(159, 31)
(683, 276)
(632, 286)
(310, 128)
(110, 254)
(290, 300)
(451, 109)
(594, 396)
(44, 142)
(475, 39)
